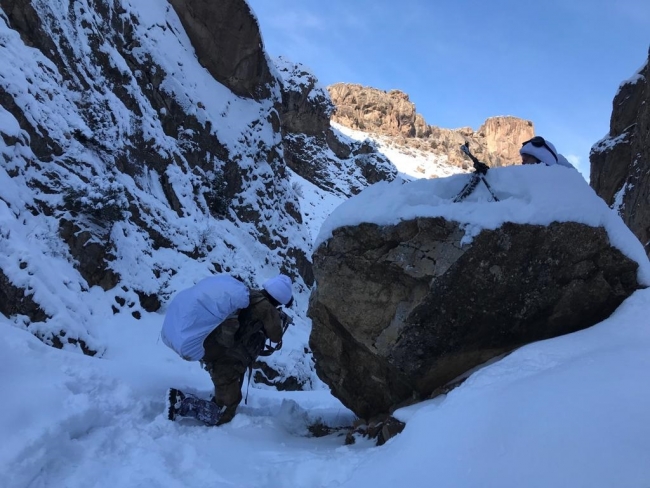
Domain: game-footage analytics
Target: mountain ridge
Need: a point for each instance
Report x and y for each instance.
(391, 114)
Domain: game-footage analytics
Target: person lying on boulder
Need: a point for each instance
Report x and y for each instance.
(539, 150)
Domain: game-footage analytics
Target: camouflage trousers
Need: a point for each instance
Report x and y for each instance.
(227, 376)
(227, 367)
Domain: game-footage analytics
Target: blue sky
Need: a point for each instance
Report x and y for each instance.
(558, 63)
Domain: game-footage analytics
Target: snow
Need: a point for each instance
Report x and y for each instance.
(619, 197)
(297, 75)
(635, 78)
(411, 163)
(608, 143)
(571, 411)
(315, 203)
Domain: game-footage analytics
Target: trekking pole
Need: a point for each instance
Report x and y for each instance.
(480, 170)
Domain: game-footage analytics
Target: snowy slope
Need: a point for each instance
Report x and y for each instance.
(410, 162)
(148, 147)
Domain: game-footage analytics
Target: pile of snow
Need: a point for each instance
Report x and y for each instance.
(532, 194)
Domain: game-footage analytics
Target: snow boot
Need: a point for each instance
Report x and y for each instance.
(187, 405)
(174, 400)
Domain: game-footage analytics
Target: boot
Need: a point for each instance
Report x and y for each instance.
(174, 399)
(190, 406)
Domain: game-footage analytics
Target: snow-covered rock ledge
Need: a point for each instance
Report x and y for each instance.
(537, 195)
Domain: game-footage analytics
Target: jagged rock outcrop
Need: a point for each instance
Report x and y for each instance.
(109, 145)
(312, 148)
(227, 41)
(401, 310)
(306, 106)
(98, 134)
(620, 163)
(392, 114)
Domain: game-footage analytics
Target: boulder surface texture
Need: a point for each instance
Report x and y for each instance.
(400, 311)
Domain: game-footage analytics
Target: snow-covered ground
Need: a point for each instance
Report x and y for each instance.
(571, 411)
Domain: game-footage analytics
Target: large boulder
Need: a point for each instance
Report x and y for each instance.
(402, 309)
(620, 162)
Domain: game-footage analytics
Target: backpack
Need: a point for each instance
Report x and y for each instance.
(195, 312)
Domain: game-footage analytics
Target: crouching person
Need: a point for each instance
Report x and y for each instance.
(225, 325)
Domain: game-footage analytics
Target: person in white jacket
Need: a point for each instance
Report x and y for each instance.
(225, 325)
(539, 150)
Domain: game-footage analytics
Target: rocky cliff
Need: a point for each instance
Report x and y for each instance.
(312, 148)
(144, 143)
(620, 162)
(392, 114)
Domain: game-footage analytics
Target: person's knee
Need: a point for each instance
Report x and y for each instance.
(228, 394)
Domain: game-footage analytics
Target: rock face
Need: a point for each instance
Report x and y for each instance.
(620, 163)
(227, 41)
(315, 151)
(399, 311)
(392, 114)
(118, 150)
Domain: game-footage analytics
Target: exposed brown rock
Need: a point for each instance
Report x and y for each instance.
(620, 163)
(92, 256)
(392, 114)
(265, 374)
(312, 148)
(400, 311)
(382, 428)
(502, 138)
(227, 41)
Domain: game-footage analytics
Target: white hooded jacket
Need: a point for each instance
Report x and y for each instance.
(197, 311)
